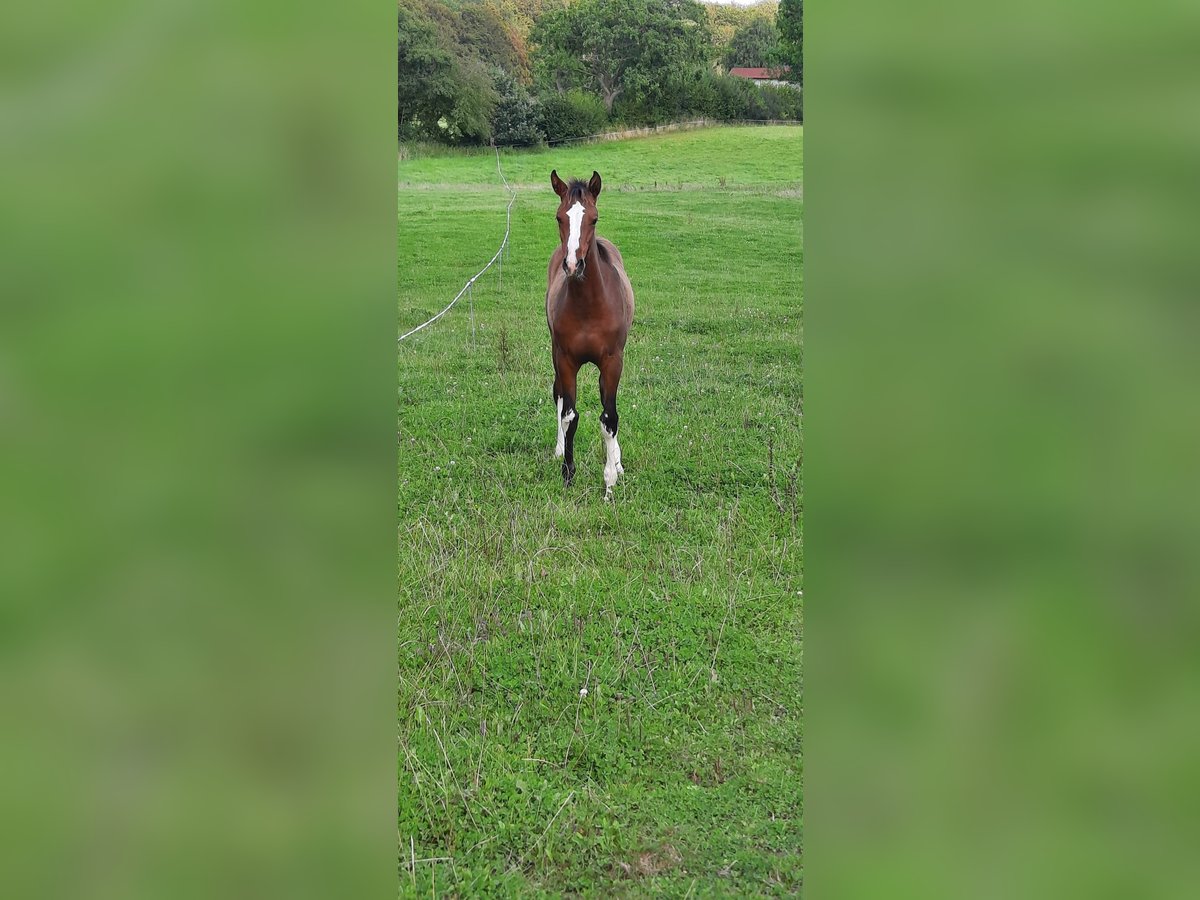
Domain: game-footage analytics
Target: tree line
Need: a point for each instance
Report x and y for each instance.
(524, 72)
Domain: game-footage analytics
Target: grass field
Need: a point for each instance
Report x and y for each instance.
(678, 606)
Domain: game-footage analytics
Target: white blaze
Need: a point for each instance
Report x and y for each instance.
(575, 214)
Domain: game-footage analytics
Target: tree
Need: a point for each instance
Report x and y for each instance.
(475, 99)
(790, 21)
(558, 51)
(725, 20)
(639, 50)
(518, 116)
(521, 14)
(445, 63)
(756, 44)
(425, 67)
(484, 34)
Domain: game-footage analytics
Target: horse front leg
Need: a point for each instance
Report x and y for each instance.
(560, 441)
(610, 380)
(568, 420)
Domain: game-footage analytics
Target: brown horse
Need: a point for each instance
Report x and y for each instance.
(589, 308)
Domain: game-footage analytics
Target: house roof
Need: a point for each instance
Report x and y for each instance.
(758, 73)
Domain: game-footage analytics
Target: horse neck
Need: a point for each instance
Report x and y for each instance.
(591, 288)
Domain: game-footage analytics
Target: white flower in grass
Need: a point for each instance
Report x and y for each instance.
(583, 692)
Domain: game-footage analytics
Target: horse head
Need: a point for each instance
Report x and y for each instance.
(576, 220)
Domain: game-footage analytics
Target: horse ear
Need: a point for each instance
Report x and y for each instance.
(557, 183)
(594, 184)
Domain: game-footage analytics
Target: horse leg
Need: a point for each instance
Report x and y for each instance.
(610, 379)
(568, 420)
(558, 403)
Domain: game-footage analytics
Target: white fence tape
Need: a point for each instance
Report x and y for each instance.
(503, 244)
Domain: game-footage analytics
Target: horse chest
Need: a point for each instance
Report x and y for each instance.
(586, 331)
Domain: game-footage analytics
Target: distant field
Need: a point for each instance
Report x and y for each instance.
(748, 157)
(678, 606)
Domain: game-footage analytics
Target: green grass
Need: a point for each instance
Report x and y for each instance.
(747, 157)
(678, 605)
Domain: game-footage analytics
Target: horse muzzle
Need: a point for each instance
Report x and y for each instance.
(577, 272)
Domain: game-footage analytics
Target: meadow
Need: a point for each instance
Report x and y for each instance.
(603, 699)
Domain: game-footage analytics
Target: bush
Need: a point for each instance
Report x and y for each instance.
(572, 115)
(517, 119)
(782, 102)
(736, 98)
(669, 100)
(698, 97)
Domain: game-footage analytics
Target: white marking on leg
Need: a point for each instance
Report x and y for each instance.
(560, 445)
(575, 214)
(612, 461)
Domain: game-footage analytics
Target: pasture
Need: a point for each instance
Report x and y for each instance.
(677, 607)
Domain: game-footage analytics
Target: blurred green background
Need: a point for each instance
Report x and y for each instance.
(1001, 386)
(197, 581)
(196, 461)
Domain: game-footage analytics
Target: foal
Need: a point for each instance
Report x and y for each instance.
(589, 308)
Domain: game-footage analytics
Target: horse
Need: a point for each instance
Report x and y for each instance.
(589, 308)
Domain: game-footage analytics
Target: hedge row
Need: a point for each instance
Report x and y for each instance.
(522, 119)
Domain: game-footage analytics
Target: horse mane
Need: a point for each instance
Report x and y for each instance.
(576, 189)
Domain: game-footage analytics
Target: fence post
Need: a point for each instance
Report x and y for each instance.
(471, 305)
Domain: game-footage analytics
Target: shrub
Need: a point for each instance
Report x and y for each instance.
(517, 119)
(572, 115)
(698, 97)
(662, 103)
(782, 102)
(737, 98)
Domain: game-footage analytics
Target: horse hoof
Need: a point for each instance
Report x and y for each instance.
(608, 495)
(568, 474)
